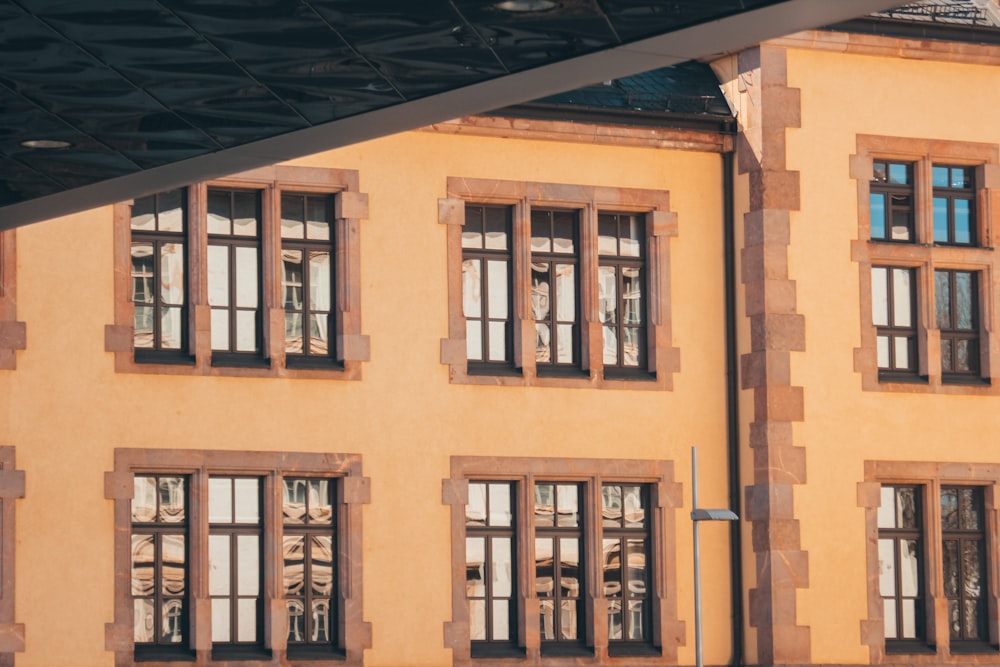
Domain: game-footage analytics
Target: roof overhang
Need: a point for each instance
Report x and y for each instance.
(151, 95)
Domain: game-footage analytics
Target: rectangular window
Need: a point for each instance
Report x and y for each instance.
(244, 560)
(572, 532)
(559, 576)
(621, 248)
(963, 532)
(309, 575)
(901, 564)
(159, 283)
(626, 559)
(490, 568)
(486, 287)
(555, 289)
(957, 317)
(159, 551)
(894, 316)
(307, 278)
(891, 202)
(954, 207)
(234, 289)
(234, 563)
(217, 270)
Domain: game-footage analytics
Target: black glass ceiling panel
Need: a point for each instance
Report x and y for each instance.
(134, 85)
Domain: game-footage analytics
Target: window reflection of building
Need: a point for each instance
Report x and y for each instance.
(558, 581)
(489, 568)
(554, 287)
(307, 281)
(308, 549)
(621, 247)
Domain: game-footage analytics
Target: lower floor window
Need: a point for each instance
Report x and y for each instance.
(932, 545)
(562, 565)
(200, 538)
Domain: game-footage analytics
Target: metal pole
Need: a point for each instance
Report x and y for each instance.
(697, 560)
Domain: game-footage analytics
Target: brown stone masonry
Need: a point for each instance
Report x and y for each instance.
(776, 330)
(12, 332)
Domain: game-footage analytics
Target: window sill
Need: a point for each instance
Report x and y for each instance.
(236, 652)
(497, 650)
(163, 654)
(484, 369)
(325, 652)
(630, 374)
(973, 380)
(908, 648)
(313, 363)
(905, 378)
(633, 650)
(565, 650)
(239, 360)
(967, 648)
(561, 372)
(175, 358)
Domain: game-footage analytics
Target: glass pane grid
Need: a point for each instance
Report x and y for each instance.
(486, 284)
(490, 562)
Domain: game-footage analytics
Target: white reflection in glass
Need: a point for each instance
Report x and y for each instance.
(475, 509)
(247, 500)
(500, 514)
(498, 341)
(246, 630)
(144, 620)
(498, 288)
(474, 340)
(218, 565)
(887, 508)
(887, 567)
(501, 620)
(143, 498)
(501, 566)
(247, 564)
(477, 620)
(882, 351)
(889, 618)
(901, 297)
(143, 558)
(246, 330)
(246, 277)
(220, 329)
(220, 620)
(880, 297)
(218, 275)
(902, 352)
(220, 500)
(472, 288)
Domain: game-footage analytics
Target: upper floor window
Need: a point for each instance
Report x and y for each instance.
(199, 543)
(954, 205)
(901, 572)
(924, 248)
(964, 565)
(239, 276)
(486, 287)
(891, 202)
(558, 290)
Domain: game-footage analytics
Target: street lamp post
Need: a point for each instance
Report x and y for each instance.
(698, 515)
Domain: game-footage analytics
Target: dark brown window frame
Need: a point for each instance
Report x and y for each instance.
(893, 331)
(916, 534)
(354, 634)
(551, 260)
(925, 256)
(662, 359)
(952, 334)
(963, 643)
(483, 256)
(592, 474)
(931, 477)
(620, 263)
(350, 208)
(951, 194)
(891, 190)
(13, 334)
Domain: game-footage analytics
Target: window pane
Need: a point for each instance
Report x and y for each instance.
(292, 223)
(475, 567)
(569, 566)
(636, 622)
(632, 288)
(950, 565)
(170, 329)
(963, 300)
(880, 296)
(171, 215)
(899, 173)
(319, 281)
(501, 566)
(474, 340)
(631, 239)
(501, 620)
(607, 235)
(496, 228)
(564, 223)
(246, 331)
(635, 511)
(614, 620)
(247, 500)
(248, 564)
(902, 221)
(320, 504)
(882, 351)
(472, 238)
(143, 565)
(500, 507)
(568, 496)
(545, 498)
(143, 499)
(909, 619)
(477, 620)
(963, 221)
(245, 214)
(246, 277)
(218, 565)
(887, 508)
(220, 500)
(246, 630)
(636, 567)
(565, 292)
(876, 205)
(887, 567)
(568, 619)
(293, 555)
(498, 341)
(218, 275)
(541, 232)
(172, 273)
(941, 220)
(939, 176)
(902, 351)
(889, 618)
(218, 212)
(612, 568)
(498, 289)
(564, 351)
(901, 291)
(145, 620)
(475, 509)
(472, 288)
(322, 565)
(942, 299)
(906, 507)
(318, 215)
(909, 567)
(949, 509)
(607, 283)
(970, 500)
(220, 329)
(143, 214)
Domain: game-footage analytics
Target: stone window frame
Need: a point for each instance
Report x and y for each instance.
(11, 488)
(12, 333)
(354, 492)
(350, 208)
(666, 499)
(661, 225)
(930, 477)
(924, 257)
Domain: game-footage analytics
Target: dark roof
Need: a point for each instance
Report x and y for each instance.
(973, 21)
(683, 94)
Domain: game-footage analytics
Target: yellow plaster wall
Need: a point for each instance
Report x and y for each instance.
(67, 409)
(844, 95)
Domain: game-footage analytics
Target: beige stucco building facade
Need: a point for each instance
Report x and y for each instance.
(437, 406)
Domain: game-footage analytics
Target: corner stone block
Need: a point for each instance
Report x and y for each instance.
(451, 211)
(351, 205)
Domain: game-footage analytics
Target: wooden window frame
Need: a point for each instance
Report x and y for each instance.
(925, 257)
(917, 534)
(349, 349)
(951, 194)
(591, 475)
(551, 259)
(619, 263)
(353, 635)
(892, 331)
(978, 535)
(483, 256)
(662, 359)
(13, 334)
(890, 189)
(930, 477)
(952, 334)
